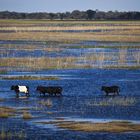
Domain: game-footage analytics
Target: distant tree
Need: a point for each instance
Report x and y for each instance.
(76, 14)
(52, 15)
(61, 16)
(90, 14)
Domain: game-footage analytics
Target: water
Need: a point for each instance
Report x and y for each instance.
(81, 91)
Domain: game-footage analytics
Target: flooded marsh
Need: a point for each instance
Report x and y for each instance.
(80, 57)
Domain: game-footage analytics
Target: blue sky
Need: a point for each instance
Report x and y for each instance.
(68, 5)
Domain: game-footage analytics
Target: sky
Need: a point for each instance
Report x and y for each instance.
(68, 5)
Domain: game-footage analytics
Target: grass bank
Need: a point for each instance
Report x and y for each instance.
(6, 112)
(114, 127)
(30, 78)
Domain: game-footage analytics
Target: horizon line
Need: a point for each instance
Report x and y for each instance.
(97, 10)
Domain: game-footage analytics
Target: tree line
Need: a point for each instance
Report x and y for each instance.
(75, 15)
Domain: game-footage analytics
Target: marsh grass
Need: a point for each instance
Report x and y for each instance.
(39, 63)
(3, 72)
(88, 61)
(1, 99)
(46, 22)
(27, 115)
(69, 28)
(30, 78)
(114, 126)
(47, 103)
(66, 36)
(101, 127)
(118, 31)
(113, 101)
(8, 135)
(49, 113)
(6, 112)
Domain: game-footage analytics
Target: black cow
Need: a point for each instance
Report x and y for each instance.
(18, 89)
(51, 90)
(112, 89)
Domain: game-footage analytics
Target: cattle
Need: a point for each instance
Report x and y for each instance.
(112, 89)
(51, 90)
(22, 89)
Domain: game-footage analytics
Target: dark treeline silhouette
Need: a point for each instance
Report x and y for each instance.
(75, 15)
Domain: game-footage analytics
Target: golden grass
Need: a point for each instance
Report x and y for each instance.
(119, 31)
(67, 63)
(30, 78)
(64, 23)
(62, 28)
(39, 63)
(64, 36)
(114, 126)
(6, 112)
(100, 127)
(27, 115)
(4, 135)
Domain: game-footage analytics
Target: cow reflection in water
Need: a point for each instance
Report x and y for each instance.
(51, 90)
(111, 90)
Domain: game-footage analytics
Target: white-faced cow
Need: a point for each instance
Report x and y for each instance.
(20, 89)
(112, 89)
(51, 90)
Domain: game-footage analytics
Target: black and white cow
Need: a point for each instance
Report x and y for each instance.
(51, 90)
(112, 89)
(22, 89)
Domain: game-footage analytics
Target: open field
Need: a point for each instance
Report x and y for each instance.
(127, 31)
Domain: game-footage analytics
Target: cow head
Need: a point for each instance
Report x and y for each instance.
(14, 87)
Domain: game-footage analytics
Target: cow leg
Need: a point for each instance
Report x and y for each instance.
(106, 93)
(17, 94)
(27, 94)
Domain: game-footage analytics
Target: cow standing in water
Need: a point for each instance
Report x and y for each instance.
(112, 89)
(51, 90)
(22, 89)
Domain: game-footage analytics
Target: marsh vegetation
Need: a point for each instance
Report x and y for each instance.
(80, 56)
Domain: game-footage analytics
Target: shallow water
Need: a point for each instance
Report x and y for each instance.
(81, 90)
